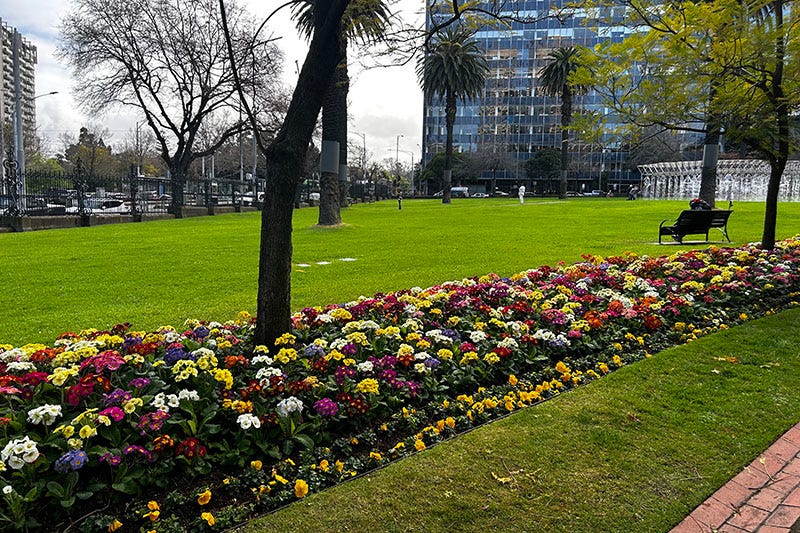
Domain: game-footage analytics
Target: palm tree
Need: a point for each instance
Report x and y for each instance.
(454, 69)
(554, 79)
(366, 21)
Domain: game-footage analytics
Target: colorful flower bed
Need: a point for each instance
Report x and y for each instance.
(126, 430)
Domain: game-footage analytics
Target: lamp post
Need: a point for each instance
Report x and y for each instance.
(363, 154)
(411, 178)
(397, 150)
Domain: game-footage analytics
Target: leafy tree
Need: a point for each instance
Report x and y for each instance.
(544, 165)
(556, 80)
(726, 62)
(95, 156)
(366, 21)
(434, 170)
(168, 60)
(454, 68)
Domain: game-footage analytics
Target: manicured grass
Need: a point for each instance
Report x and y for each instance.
(633, 452)
(163, 272)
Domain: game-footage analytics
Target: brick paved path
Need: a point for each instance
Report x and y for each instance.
(763, 498)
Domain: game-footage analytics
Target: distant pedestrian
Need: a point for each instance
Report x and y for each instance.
(521, 193)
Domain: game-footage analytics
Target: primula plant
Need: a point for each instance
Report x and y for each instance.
(126, 430)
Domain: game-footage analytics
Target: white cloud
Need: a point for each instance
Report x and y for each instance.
(385, 102)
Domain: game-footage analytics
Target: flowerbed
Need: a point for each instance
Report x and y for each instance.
(197, 429)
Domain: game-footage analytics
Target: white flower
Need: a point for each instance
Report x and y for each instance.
(338, 343)
(288, 406)
(8, 489)
(248, 420)
(508, 342)
(18, 452)
(190, 395)
(160, 402)
(171, 336)
(15, 354)
(21, 366)
(421, 356)
(264, 374)
(477, 336)
(366, 366)
(420, 368)
(261, 359)
(45, 414)
(173, 401)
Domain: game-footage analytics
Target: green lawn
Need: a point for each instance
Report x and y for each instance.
(634, 452)
(163, 272)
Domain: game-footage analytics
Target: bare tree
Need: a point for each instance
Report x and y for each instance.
(169, 60)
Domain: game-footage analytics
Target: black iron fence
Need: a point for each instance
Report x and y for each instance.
(53, 194)
(82, 194)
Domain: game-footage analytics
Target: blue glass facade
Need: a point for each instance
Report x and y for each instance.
(514, 115)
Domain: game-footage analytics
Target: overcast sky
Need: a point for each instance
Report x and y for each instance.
(385, 102)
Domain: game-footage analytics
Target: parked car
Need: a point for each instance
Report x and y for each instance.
(596, 192)
(103, 206)
(455, 192)
(480, 195)
(498, 192)
(573, 194)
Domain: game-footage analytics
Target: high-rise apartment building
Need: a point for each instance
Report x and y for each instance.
(514, 115)
(17, 77)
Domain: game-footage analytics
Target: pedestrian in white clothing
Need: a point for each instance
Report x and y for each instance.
(521, 194)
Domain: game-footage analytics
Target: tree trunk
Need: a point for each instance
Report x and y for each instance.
(275, 259)
(566, 118)
(778, 161)
(708, 173)
(450, 119)
(771, 209)
(178, 169)
(343, 83)
(285, 157)
(334, 128)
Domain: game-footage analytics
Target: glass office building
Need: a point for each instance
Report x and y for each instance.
(516, 117)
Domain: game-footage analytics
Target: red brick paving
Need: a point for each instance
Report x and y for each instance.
(762, 498)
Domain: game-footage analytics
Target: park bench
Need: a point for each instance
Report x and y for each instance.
(696, 222)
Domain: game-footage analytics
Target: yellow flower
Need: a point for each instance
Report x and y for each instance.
(300, 488)
(324, 465)
(153, 505)
(256, 465)
(115, 525)
(204, 497)
(208, 517)
(450, 422)
(87, 431)
(512, 380)
(368, 385)
(419, 445)
(375, 455)
(339, 466)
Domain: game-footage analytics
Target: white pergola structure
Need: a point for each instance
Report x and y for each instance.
(737, 179)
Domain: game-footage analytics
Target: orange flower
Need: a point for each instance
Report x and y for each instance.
(204, 497)
(300, 488)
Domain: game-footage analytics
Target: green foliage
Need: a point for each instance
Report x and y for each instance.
(545, 164)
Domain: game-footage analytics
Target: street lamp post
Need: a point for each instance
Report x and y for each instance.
(363, 154)
(411, 178)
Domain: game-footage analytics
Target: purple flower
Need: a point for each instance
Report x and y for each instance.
(326, 407)
(72, 460)
(349, 349)
(113, 460)
(432, 363)
(117, 397)
(139, 383)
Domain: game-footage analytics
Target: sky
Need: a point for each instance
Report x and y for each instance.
(384, 102)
